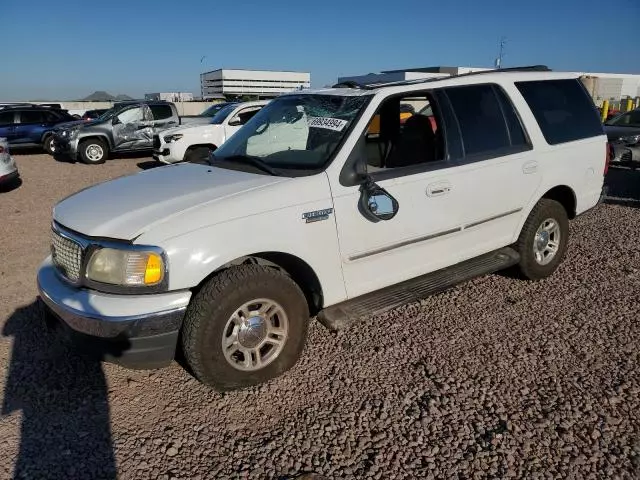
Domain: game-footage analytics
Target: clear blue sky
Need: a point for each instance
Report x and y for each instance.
(66, 49)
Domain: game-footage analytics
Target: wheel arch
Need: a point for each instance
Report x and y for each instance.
(104, 138)
(299, 271)
(565, 196)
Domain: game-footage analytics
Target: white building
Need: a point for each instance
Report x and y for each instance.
(260, 83)
(170, 96)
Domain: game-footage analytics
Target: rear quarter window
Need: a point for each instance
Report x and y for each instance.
(563, 109)
(160, 112)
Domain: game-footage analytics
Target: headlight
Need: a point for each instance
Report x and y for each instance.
(631, 140)
(135, 268)
(172, 138)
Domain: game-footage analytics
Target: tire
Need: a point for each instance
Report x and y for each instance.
(536, 261)
(48, 145)
(213, 316)
(198, 154)
(93, 151)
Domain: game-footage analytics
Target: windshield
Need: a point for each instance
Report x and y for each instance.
(629, 119)
(223, 113)
(106, 114)
(213, 109)
(295, 131)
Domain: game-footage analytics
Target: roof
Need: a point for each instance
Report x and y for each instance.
(494, 76)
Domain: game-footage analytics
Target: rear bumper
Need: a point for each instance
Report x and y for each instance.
(135, 331)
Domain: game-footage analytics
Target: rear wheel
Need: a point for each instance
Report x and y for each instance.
(198, 154)
(246, 325)
(93, 151)
(49, 145)
(543, 240)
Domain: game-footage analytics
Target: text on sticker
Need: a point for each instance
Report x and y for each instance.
(328, 123)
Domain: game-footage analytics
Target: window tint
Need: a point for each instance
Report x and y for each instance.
(562, 108)
(516, 132)
(50, 117)
(160, 112)
(245, 115)
(31, 116)
(6, 118)
(482, 124)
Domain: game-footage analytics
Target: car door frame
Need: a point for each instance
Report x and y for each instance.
(133, 146)
(29, 128)
(231, 129)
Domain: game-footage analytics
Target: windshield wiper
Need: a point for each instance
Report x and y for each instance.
(255, 161)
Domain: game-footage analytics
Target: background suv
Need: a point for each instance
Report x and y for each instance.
(31, 125)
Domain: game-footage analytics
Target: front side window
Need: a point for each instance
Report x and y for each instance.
(295, 131)
(222, 114)
(31, 116)
(482, 125)
(213, 109)
(131, 115)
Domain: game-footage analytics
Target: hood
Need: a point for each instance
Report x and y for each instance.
(126, 207)
(190, 129)
(614, 132)
(62, 126)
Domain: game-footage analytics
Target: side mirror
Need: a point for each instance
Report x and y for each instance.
(234, 122)
(376, 203)
(115, 121)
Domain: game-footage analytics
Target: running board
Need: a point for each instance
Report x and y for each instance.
(341, 315)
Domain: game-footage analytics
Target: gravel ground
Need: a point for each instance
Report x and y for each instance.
(494, 378)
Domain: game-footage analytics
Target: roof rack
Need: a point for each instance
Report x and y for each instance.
(373, 86)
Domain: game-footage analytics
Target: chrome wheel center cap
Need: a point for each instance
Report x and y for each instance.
(542, 240)
(252, 332)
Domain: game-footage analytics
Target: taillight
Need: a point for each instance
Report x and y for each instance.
(608, 157)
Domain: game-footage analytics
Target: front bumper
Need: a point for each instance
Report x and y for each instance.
(624, 154)
(8, 172)
(135, 331)
(65, 147)
(166, 152)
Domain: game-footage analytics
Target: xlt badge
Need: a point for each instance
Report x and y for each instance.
(317, 215)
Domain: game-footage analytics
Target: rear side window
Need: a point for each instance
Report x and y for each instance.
(6, 118)
(479, 115)
(562, 108)
(160, 112)
(31, 116)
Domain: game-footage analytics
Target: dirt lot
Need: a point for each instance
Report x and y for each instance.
(495, 378)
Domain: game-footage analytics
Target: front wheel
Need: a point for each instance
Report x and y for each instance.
(49, 145)
(93, 151)
(543, 240)
(247, 324)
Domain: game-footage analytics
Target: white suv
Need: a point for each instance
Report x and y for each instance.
(307, 212)
(195, 143)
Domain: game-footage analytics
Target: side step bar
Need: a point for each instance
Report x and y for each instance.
(341, 315)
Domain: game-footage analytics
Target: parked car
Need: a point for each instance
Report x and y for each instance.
(195, 143)
(623, 132)
(8, 169)
(127, 127)
(228, 261)
(31, 125)
(93, 114)
(205, 117)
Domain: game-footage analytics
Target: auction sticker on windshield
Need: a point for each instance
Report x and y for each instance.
(329, 123)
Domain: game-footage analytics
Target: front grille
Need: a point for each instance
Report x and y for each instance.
(67, 256)
(156, 142)
(626, 156)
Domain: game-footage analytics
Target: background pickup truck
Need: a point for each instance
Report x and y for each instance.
(127, 127)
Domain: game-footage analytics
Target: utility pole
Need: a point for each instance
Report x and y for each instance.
(503, 41)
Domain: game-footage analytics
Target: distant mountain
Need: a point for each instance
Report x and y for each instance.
(101, 96)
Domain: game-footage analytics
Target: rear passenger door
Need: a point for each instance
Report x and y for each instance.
(497, 173)
(31, 127)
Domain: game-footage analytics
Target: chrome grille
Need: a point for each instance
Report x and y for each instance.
(626, 156)
(67, 256)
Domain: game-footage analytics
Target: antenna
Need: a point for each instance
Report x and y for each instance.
(503, 42)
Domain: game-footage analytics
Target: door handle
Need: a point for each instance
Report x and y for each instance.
(530, 167)
(438, 189)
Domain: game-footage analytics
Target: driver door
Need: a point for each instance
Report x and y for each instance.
(133, 128)
(238, 119)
